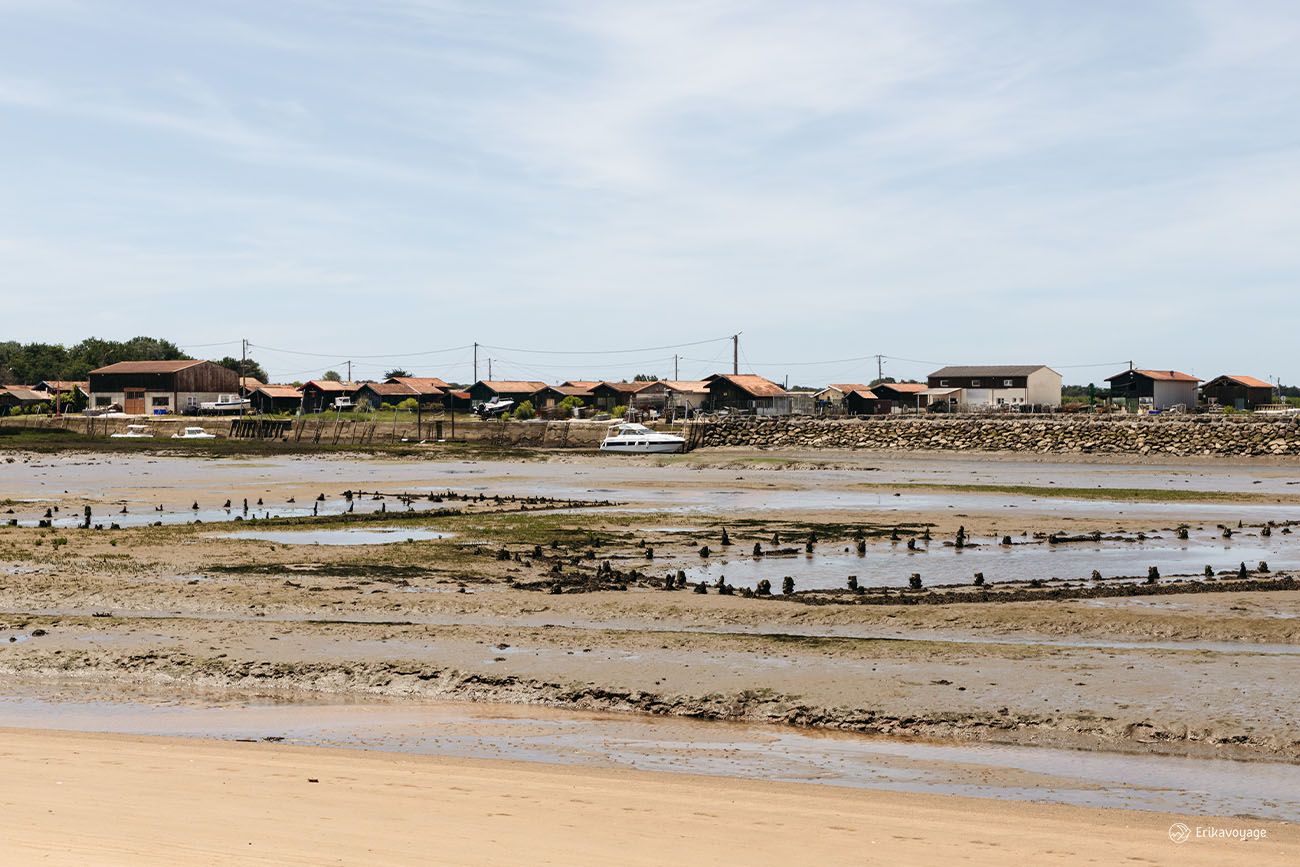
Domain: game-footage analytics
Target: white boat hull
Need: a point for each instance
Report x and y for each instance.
(666, 447)
(224, 406)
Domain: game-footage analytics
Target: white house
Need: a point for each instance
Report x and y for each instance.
(999, 385)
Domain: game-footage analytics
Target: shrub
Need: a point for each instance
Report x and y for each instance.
(409, 405)
(618, 412)
(386, 407)
(525, 411)
(569, 403)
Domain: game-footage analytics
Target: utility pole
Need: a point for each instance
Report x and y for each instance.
(243, 363)
(476, 362)
(674, 367)
(880, 368)
(735, 354)
(349, 370)
(489, 379)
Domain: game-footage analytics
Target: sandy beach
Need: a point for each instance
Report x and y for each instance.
(113, 799)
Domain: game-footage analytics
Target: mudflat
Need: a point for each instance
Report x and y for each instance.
(1092, 607)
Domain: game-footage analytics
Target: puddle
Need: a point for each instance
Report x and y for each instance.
(341, 536)
(830, 566)
(520, 732)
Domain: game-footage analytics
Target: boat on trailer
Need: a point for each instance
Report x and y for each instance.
(225, 403)
(636, 438)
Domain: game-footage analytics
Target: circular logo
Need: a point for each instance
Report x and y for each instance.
(1179, 833)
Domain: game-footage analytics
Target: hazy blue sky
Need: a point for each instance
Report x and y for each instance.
(951, 182)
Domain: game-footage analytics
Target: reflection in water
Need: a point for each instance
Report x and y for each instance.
(519, 732)
(830, 565)
(341, 536)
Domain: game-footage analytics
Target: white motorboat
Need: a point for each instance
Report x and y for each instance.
(639, 439)
(495, 407)
(193, 433)
(225, 403)
(135, 431)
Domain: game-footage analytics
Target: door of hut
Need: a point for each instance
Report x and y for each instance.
(134, 400)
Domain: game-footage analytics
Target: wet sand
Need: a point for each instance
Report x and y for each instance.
(1198, 787)
(115, 799)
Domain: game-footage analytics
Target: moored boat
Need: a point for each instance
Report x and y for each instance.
(639, 439)
(193, 433)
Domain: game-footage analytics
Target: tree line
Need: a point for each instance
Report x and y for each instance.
(30, 363)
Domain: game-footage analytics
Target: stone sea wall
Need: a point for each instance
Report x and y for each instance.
(1146, 435)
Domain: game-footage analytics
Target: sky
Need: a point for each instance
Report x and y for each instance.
(589, 189)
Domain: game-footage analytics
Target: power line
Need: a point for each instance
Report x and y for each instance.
(1097, 364)
(604, 351)
(800, 363)
(206, 345)
(384, 355)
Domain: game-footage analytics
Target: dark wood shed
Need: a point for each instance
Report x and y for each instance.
(1238, 392)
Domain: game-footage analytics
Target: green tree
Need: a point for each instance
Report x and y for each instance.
(525, 411)
(244, 367)
(332, 376)
(396, 373)
(29, 364)
(645, 377)
(569, 403)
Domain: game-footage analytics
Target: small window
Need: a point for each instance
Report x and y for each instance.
(975, 383)
(162, 401)
(1006, 383)
(943, 383)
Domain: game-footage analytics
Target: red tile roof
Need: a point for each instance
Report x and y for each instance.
(333, 385)
(64, 385)
(624, 387)
(513, 386)
(422, 384)
(1248, 381)
(908, 387)
(750, 383)
(1161, 375)
(389, 389)
(278, 391)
